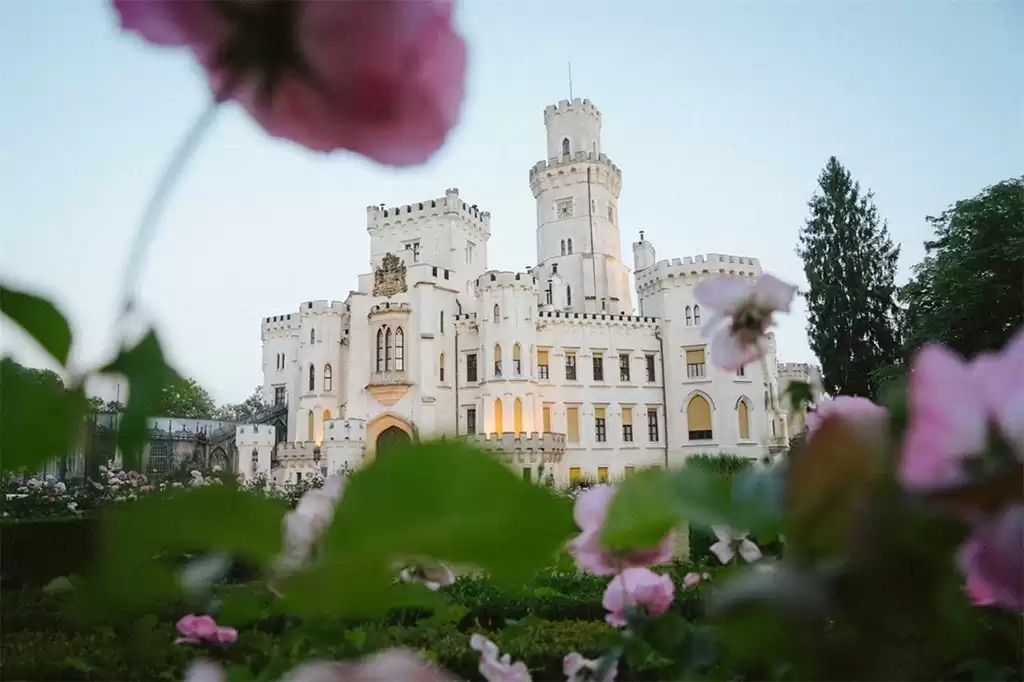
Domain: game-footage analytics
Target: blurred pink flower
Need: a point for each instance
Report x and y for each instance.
(691, 579)
(385, 666)
(580, 669)
(495, 668)
(992, 559)
(590, 512)
(849, 408)
(197, 629)
(384, 79)
(637, 587)
(742, 315)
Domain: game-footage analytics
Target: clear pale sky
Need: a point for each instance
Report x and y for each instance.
(720, 115)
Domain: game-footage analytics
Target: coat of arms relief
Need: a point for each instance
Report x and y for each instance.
(389, 278)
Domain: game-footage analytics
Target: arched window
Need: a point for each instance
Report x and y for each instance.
(563, 247)
(698, 418)
(696, 315)
(499, 426)
(328, 378)
(496, 313)
(312, 377)
(743, 417)
(327, 415)
(309, 425)
(568, 295)
(689, 316)
(517, 366)
(399, 350)
(440, 368)
(312, 335)
(380, 349)
(568, 245)
(517, 416)
(387, 349)
(497, 359)
(566, 149)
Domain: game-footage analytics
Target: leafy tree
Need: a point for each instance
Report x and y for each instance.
(43, 378)
(850, 265)
(968, 292)
(183, 398)
(97, 404)
(244, 411)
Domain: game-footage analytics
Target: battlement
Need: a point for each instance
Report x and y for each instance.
(567, 161)
(287, 450)
(344, 429)
(293, 321)
(565, 107)
(289, 322)
(390, 307)
(494, 279)
(255, 434)
(382, 216)
(797, 370)
(599, 319)
(545, 447)
(691, 266)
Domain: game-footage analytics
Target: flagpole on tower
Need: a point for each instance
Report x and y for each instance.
(570, 81)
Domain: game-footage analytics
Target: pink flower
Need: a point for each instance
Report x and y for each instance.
(224, 635)
(952, 404)
(993, 561)
(384, 79)
(590, 512)
(194, 628)
(691, 579)
(495, 668)
(580, 669)
(748, 307)
(850, 408)
(385, 666)
(637, 587)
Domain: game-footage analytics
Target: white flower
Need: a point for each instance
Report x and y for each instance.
(742, 315)
(311, 517)
(731, 541)
(431, 574)
(60, 487)
(495, 669)
(218, 468)
(72, 506)
(579, 669)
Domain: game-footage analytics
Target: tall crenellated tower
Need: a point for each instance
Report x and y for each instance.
(577, 192)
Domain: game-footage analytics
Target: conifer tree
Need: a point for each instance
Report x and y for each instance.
(850, 265)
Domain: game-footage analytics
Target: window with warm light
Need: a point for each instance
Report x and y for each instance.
(695, 363)
(698, 418)
(602, 474)
(627, 424)
(546, 417)
(517, 416)
(499, 421)
(572, 419)
(542, 364)
(574, 475)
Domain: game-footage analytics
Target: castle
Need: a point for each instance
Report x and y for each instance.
(549, 367)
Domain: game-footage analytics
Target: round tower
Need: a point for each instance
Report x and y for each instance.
(577, 191)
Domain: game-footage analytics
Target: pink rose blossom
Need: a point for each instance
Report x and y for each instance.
(384, 79)
(385, 666)
(852, 409)
(590, 512)
(993, 561)
(742, 315)
(580, 669)
(495, 668)
(691, 579)
(637, 587)
(196, 629)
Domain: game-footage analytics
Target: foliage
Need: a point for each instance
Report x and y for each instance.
(244, 411)
(968, 293)
(850, 264)
(183, 398)
(97, 404)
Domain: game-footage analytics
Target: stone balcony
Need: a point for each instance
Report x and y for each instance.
(524, 447)
(389, 387)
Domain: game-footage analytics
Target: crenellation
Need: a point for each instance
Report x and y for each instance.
(493, 279)
(565, 107)
(698, 266)
(381, 215)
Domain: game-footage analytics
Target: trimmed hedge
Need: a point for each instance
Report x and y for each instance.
(36, 551)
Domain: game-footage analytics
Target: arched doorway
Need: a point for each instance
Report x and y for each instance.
(391, 437)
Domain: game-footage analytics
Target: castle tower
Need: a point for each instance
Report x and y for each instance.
(577, 191)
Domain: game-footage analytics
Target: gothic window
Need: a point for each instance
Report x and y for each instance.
(309, 425)
(399, 350)
(743, 417)
(380, 349)
(312, 377)
(499, 427)
(517, 365)
(568, 245)
(689, 316)
(548, 294)
(387, 349)
(568, 295)
(517, 416)
(698, 418)
(328, 378)
(565, 146)
(497, 360)
(497, 313)
(696, 315)
(312, 335)
(440, 368)
(563, 247)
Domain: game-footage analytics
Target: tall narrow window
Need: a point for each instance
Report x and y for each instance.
(328, 378)
(598, 367)
(499, 426)
(574, 475)
(440, 368)
(497, 360)
(549, 294)
(602, 474)
(542, 364)
(471, 374)
(623, 366)
(698, 418)
(309, 425)
(471, 421)
(743, 416)
(546, 418)
(572, 424)
(563, 247)
(399, 350)
(387, 350)
(496, 313)
(312, 335)
(649, 361)
(627, 424)
(696, 315)
(600, 425)
(517, 363)
(653, 431)
(568, 295)
(517, 416)
(695, 363)
(565, 146)
(568, 245)
(312, 377)
(570, 366)
(279, 395)
(327, 416)
(380, 350)
(442, 322)
(689, 316)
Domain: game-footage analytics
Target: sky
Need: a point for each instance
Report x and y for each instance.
(720, 115)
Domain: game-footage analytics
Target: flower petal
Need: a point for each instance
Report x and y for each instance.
(204, 671)
(723, 551)
(591, 507)
(749, 551)
(723, 294)
(728, 353)
(772, 293)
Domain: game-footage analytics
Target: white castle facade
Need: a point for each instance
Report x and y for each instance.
(552, 367)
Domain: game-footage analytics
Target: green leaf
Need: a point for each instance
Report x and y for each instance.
(800, 395)
(444, 500)
(650, 504)
(40, 319)
(147, 373)
(130, 573)
(39, 422)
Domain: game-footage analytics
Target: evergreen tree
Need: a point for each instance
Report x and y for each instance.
(850, 265)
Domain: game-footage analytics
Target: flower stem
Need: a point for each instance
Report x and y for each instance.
(154, 208)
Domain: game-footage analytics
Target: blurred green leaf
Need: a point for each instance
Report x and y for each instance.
(39, 421)
(215, 518)
(759, 496)
(147, 373)
(796, 591)
(445, 500)
(800, 395)
(40, 319)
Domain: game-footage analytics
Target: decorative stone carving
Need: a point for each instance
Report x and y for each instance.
(389, 278)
